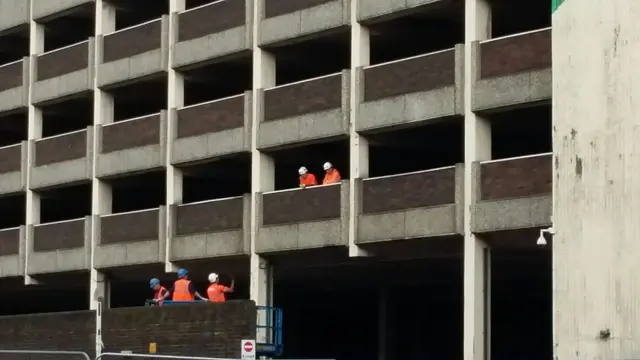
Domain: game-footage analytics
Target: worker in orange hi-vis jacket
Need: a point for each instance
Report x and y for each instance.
(217, 291)
(331, 174)
(306, 178)
(159, 291)
(183, 289)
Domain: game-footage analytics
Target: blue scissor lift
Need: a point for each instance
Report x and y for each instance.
(272, 326)
(269, 322)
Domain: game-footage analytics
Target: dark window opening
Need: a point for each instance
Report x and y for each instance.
(219, 179)
(418, 148)
(64, 292)
(313, 156)
(74, 27)
(12, 211)
(217, 81)
(417, 33)
(521, 305)
(520, 132)
(65, 203)
(67, 116)
(14, 45)
(13, 128)
(131, 13)
(129, 286)
(138, 192)
(312, 58)
(512, 17)
(139, 99)
(361, 294)
(190, 4)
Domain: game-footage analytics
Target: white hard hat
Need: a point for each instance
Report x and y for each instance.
(303, 170)
(213, 277)
(327, 166)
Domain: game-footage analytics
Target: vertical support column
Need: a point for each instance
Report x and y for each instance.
(175, 99)
(477, 132)
(262, 171)
(101, 197)
(34, 132)
(358, 145)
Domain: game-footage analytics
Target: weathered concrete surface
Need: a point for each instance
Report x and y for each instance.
(596, 86)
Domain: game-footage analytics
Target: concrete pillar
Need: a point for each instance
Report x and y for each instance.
(477, 133)
(175, 99)
(358, 145)
(177, 5)
(105, 17)
(596, 198)
(262, 172)
(101, 197)
(34, 132)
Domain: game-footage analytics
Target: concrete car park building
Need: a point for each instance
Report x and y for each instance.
(139, 136)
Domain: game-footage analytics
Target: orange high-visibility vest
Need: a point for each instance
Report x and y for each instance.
(331, 177)
(159, 294)
(215, 292)
(308, 179)
(181, 291)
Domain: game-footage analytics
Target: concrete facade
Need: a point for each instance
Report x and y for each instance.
(463, 202)
(595, 199)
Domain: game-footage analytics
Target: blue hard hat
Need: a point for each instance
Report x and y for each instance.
(182, 273)
(154, 282)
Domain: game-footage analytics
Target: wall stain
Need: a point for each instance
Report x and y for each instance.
(616, 39)
(578, 167)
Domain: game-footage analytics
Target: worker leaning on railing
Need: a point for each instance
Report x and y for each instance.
(182, 290)
(159, 291)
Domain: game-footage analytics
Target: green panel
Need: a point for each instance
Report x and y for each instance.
(555, 4)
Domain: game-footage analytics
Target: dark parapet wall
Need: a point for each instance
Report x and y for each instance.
(211, 330)
(70, 331)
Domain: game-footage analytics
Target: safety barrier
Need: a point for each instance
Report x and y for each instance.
(155, 356)
(30, 353)
(125, 355)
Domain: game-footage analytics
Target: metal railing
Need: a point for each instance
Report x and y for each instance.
(45, 352)
(156, 356)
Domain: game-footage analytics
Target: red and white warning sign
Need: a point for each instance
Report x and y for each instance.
(248, 349)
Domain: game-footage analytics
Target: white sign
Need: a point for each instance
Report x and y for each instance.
(248, 349)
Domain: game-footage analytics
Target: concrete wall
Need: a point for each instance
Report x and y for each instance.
(212, 330)
(595, 206)
(72, 331)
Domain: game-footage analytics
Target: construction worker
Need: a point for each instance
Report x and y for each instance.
(306, 178)
(216, 290)
(159, 291)
(331, 174)
(183, 289)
